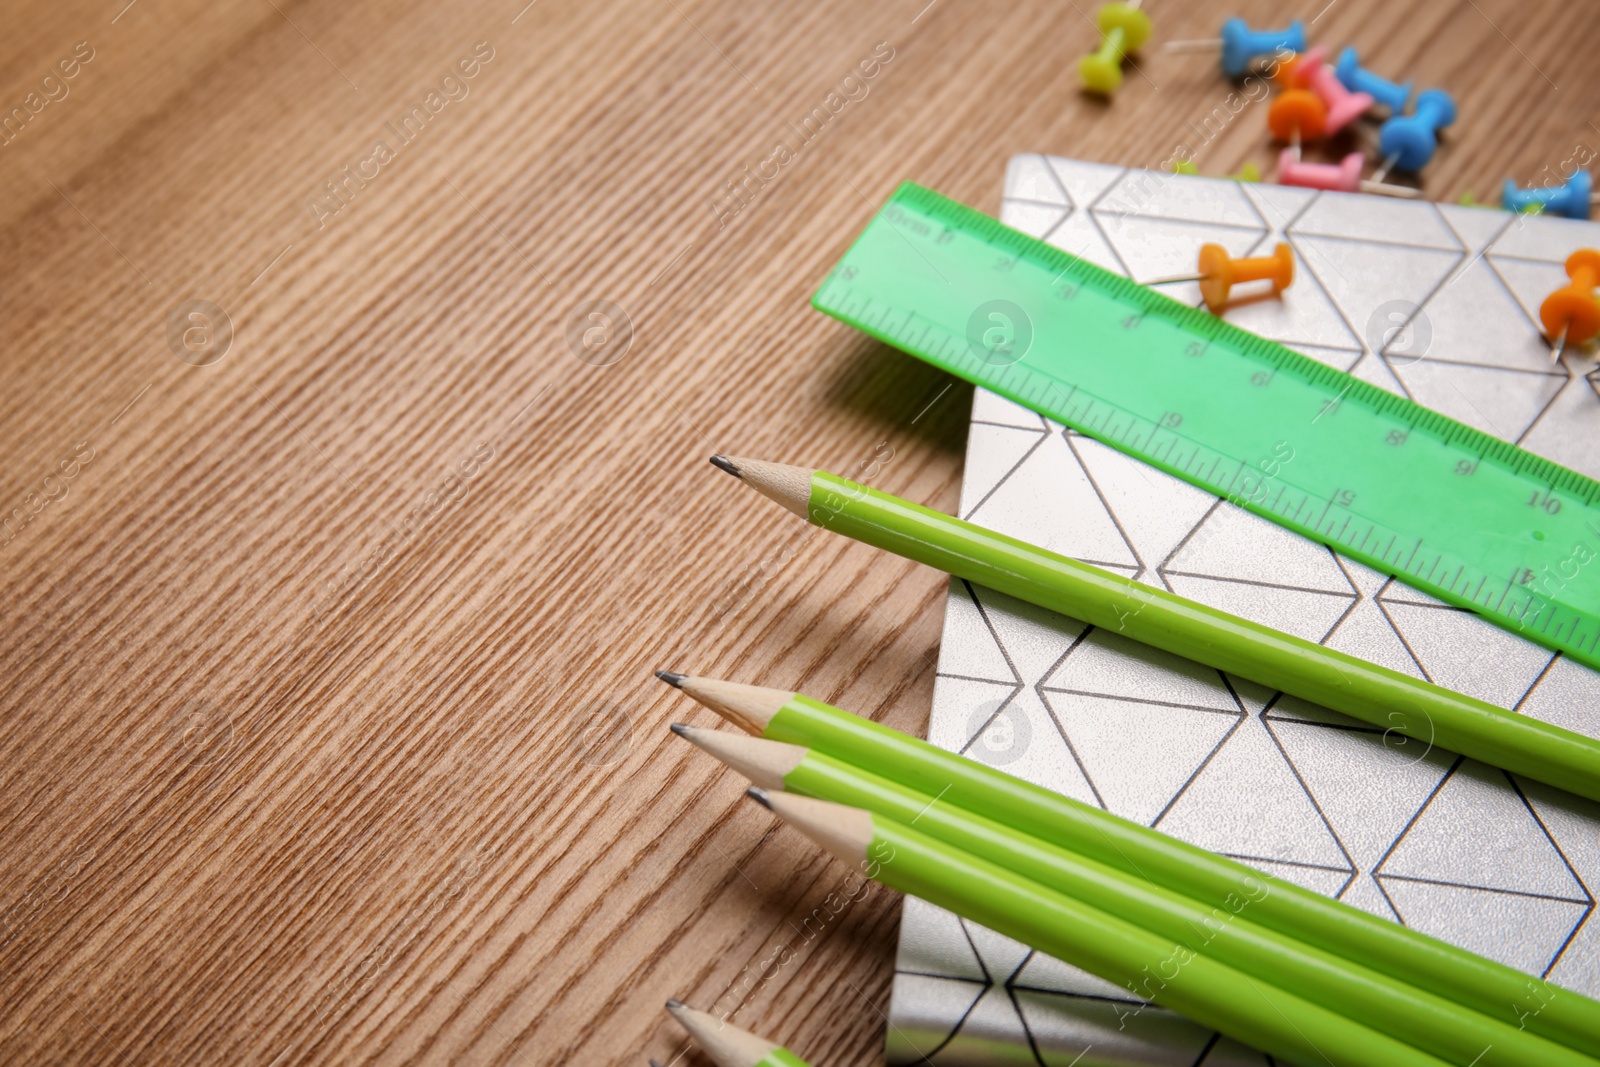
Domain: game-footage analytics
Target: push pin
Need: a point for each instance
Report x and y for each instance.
(1249, 172)
(1295, 72)
(1123, 28)
(1409, 141)
(1341, 177)
(1344, 106)
(1358, 79)
(1220, 272)
(1298, 116)
(1570, 201)
(1185, 166)
(1242, 46)
(1571, 313)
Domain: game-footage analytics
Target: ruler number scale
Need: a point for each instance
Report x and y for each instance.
(1446, 508)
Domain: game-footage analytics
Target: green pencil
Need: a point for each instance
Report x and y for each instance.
(1451, 1031)
(1335, 680)
(1155, 968)
(726, 1044)
(1499, 992)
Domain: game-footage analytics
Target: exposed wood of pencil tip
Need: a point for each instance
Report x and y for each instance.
(726, 1044)
(843, 831)
(765, 763)
(749, 707)
(789, 486)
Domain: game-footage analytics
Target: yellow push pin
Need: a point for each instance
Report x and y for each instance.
(1123, 28)
(1220, 272)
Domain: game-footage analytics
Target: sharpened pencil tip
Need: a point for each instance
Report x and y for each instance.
(680, 728)
(759, 795)
(672, 678)
(723, 463)
(674, 1004)
(655, 1063)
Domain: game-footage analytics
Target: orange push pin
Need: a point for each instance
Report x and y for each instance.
(1298, 116)
(1220, 272)
(1571, 313)
(1296, 71)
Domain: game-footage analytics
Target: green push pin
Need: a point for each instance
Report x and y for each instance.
(1247, 173)
(1123, 28)
(1184, 166)
(1468, 199)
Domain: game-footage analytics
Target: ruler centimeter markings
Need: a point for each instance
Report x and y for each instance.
(1446, 508)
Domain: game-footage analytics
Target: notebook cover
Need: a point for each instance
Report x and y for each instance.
(1436, 301)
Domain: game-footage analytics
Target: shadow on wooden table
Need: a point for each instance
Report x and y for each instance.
(902, 394)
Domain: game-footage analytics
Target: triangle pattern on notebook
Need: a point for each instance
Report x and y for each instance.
(1467, 392)
(1071, 519)
(1248, 803)
(1368, 783)
(997, 452)
(1371, 283)
(1451, 645)
(1403, 225)
(1032, 218)
(1475, 832)
(945, 949)
(1234, 555)
(1503, 336)
(974, 651)
(1521, 931)
(1030, 177)
(1529, 281)
(1139, 754)
(1155, 510)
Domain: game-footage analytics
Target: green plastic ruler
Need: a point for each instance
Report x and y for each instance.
(1446, 508)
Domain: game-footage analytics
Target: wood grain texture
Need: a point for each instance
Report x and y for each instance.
(313, 751)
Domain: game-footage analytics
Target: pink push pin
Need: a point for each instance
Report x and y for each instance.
(1344, 107)
(1341, 177)
(1295, 73)
(1308, 71)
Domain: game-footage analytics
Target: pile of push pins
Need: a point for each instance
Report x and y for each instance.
(1320, 100)
(1317, 101)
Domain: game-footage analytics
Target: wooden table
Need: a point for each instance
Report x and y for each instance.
(329, 732)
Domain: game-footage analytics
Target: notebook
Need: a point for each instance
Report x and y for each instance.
(1436, 301)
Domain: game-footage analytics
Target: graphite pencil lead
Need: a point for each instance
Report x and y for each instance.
(672, 678)
(655, 1063)
(723, 463)
(673, 1004)
(759, 795)
(681, 729)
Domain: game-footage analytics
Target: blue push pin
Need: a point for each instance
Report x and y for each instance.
(1241, 45)
(1408, 141)
(1569, 201)
(1360, 80)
